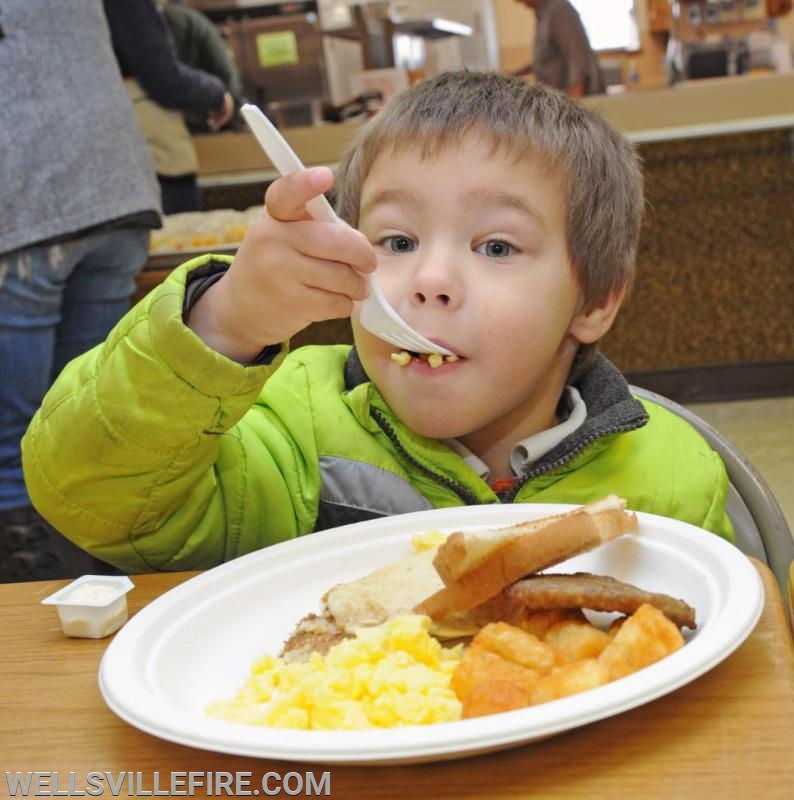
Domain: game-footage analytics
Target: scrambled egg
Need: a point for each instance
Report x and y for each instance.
(389, 675)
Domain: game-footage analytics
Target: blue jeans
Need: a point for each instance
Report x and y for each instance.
(56, 302)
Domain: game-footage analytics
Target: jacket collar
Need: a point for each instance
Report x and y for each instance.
(354, 371)
(610, 408)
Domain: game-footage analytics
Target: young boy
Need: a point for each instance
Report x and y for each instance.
(503, 219)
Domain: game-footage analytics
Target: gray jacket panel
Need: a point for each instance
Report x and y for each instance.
(72, 156)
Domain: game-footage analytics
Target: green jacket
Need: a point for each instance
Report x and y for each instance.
(154, 452)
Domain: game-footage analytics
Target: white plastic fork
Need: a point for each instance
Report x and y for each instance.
(376, 315)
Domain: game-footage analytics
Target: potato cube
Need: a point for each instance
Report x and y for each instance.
(519, 646)
(570, 679)
(493, 697)
(645, 637)
(538, 623)
(479, 665)
(577, 639)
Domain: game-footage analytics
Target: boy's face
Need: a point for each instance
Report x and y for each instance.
(472, 254)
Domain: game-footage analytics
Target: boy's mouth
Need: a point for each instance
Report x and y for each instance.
(434, 360)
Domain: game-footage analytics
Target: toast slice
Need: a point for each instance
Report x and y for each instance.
(464, 550)
(476, 567)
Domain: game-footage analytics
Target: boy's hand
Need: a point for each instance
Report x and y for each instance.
(290, 271)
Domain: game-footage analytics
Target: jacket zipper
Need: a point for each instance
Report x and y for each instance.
(505, 497)
(462, 492)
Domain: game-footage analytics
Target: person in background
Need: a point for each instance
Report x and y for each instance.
(563, 57)
(79, 199)
(162, 89)
(200, 45)
(503, 219)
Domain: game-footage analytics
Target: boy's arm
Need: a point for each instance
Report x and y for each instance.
(136, 454)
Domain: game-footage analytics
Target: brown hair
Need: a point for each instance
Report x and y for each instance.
(597, 166)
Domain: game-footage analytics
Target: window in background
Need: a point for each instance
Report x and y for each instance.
(610, 24)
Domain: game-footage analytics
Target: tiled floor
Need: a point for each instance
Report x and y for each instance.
(764, 431)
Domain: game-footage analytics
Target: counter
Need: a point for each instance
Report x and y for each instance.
(691, 109)
(236, 158)
(710, 316)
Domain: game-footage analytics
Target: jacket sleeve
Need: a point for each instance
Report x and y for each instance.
(146, 51)
(199, 44)
(140, 452)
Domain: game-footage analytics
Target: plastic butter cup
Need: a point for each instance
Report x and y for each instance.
(93, 606)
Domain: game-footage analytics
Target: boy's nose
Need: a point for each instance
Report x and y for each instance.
(435, 281)
(441, 297)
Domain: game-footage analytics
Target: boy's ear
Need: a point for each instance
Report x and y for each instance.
(590, 325)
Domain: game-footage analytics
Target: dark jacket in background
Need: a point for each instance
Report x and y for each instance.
(199, 44)
(146, 51)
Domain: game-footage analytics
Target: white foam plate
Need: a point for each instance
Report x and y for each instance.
(197, 642)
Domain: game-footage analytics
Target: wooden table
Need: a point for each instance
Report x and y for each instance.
(729, 734)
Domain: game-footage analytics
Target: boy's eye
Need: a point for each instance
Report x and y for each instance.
(399, 244)
(495, 248)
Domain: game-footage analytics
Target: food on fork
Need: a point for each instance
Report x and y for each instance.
(435, 360)
(402, 358)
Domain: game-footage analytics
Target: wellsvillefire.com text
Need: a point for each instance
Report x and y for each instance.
(168, 784)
